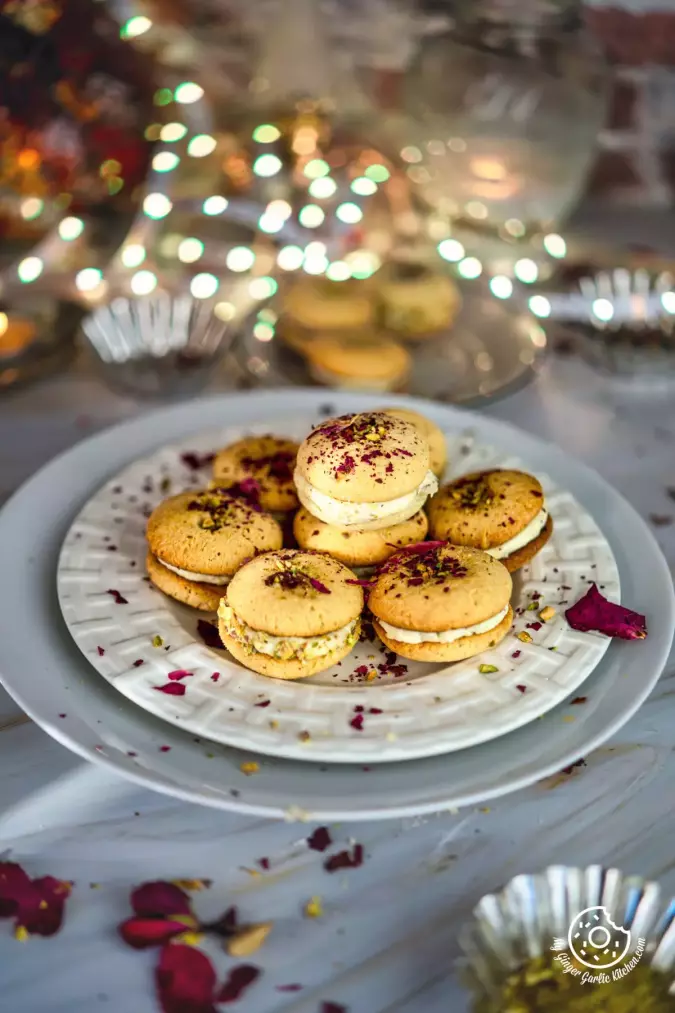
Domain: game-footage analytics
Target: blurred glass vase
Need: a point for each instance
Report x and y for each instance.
(505, 110)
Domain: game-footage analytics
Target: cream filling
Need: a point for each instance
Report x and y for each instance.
(444, 636)
(202, 578)
(343, 514)
(286, 647)
(524, 537)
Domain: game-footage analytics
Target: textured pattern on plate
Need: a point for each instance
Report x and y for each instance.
(421, 710)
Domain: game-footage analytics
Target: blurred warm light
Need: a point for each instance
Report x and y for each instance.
(29, 269)
(304, 140)
(476, 209)
(31, 208)
(87, 279)
(451, 249)
(203, 286)
(311, 216)
(136, 26)
(157, 205)
(540, 306)
(322, 188)
(266, 133)
(267, 165)
(555, 245)
(240, 258)
(279, 209)
(501, 286)
(165, 161)
(363, 263)
(225, 311)
(262, 288)
(488, 168)
(457, 144)
(514, 227)
(603, 310)
(214, 205)
(28, 158)
(339, 270)
(133, 255)
(316, 168)
(263, 331)
(378, 173)
(173, 132)
(349, 213)
(363, 186)
(201, 145)
(190, 250)
(290, 258)
(411, 154)
(70, 228)
(143, 283)
(526, 270)
(270, 224)
(188, 92)
(668, 301)
(470, 267)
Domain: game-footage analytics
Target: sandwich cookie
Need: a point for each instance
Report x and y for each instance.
(417, 302)
(321, 304)
(373, 363)
(269, 460)
(500, 511)
(440, 602)
(356, 548)
(199, 540)
(291, 614)
(366, 471)
(438, 453)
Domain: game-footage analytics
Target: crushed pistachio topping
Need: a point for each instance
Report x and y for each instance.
(524, 636)
(471, 493)
(487, 669)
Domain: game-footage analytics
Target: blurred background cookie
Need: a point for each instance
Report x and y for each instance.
(438, 453)
(416, 302)
(329, 305)
(270, 460)
(375, 363)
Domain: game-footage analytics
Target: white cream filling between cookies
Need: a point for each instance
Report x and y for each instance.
(444, 636)
(202, 578)
(343, 514)
(285, 647)
(523, 538)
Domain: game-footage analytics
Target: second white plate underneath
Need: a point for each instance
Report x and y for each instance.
(372, 707)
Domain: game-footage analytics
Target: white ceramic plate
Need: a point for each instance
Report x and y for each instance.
(48, 676)
(422, 710)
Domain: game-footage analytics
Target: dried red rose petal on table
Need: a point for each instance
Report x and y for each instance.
(319, 839)
(595, 612)
(236, 983)
(37, 905)
(185, 981)
(345, 859)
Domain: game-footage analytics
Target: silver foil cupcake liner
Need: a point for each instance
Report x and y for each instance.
(603, 919)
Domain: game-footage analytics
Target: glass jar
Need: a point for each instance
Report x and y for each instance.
(503, 113)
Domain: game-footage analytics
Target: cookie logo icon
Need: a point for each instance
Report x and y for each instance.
(596, 941)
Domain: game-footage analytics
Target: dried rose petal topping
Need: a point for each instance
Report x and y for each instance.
(262, 703)
(37, 905)
(357, 722)
(345, 859)
(237, 981)
(320, 839)
(178, 674)
(293, 987)
(185, 980)
(209, 634)
(595, 612)
(333, 1007)
(101, 651)
(159, 898)
(248, 490)
(318, 586)
(362, 582)
(195, 461)
(171, 689)
(117, 597)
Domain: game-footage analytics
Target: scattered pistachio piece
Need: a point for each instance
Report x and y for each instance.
(192, 884)
(191, 938)
(524, 636)
(21, 933)
(249, 768)
(372, 674)
(157, 641)
(547, 613)
(486, 669)
(314, 908)
(248, 939)
(274, 724)
(532, 606)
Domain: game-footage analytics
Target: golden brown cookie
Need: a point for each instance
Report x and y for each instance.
(205, 597)
(320, 304)
(415, 301)
(270, 460)
(438, 452)
(501, 511)
(367, 470)
(290, 614)
(441, 602)
(375, 363)
(357, 548)
(202, 538)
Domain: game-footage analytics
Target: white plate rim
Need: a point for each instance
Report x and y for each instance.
(30, 566)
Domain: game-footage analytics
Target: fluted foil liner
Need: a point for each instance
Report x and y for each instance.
(535, 914)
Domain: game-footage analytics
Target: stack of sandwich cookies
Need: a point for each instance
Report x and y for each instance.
(438, 602)
(269, 461)
(199, 540)
(500, 511)
(360, 550)
(291, 614)
(438, 453)
(376, 363)
(321, 304)
(364, 471)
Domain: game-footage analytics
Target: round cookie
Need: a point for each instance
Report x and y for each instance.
(375, 363)
(417, 302)
(501, 511)
(439, 602)
(358, 548)
(205, 597)
(317, 303)
(291, 613)
(270, 460)
(438, 453)
(202, 538)
(367, 470)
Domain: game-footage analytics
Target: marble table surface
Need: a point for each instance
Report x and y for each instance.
(387, 938)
